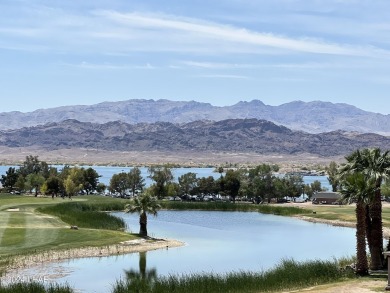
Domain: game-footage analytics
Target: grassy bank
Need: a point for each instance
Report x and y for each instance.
(288, 275)
(85, 215)
(345, 213)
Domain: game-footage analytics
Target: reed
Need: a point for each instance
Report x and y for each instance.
(282, 211)
(85, 215)
(288, 275)
(36, 287)
(206, 206)
(238, 207)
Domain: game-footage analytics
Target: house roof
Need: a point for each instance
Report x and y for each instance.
(327, 195)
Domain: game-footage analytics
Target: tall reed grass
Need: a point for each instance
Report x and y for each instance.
(206, 206)
(239, 207)
(282, 210)
(288, 275)
(35, 287)
(85, 215)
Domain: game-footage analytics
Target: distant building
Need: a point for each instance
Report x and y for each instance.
(326, 198)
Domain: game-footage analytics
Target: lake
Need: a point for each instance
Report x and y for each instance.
(217, 242)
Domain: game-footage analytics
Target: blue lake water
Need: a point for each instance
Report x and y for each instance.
(216, 242)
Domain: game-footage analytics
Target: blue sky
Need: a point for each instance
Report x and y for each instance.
(55, 53)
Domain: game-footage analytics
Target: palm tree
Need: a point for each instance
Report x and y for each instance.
(143, 204)
(357, 187)
(375, 165)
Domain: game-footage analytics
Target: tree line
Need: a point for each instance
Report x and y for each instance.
(38, 176)
(258, 184)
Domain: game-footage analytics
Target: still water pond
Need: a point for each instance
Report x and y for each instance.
(216, 242)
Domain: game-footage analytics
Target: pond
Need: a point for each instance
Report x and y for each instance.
(217, 242)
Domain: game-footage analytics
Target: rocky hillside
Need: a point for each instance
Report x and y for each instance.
(313, 117)
(232, 135)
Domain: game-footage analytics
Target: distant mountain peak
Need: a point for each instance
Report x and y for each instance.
(313, 117)
(231, 135)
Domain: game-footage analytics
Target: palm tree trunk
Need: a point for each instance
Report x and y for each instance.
(143, 220)
(368, 228)
(361, 255)
(377, 259)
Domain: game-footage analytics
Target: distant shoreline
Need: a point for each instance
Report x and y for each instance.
(15, 156)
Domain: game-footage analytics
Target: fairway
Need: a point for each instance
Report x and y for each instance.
(24, 230)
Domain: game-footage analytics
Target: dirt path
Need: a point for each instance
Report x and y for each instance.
(355, 286)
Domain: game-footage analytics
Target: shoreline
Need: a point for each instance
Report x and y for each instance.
(126, 247)
(338, 223)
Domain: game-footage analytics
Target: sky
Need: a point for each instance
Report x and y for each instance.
(61, 52)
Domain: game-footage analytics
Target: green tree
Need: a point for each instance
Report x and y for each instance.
(316, 186)
(90, 180)
(119, 183)
(54, 185)
(21, 183)
(31, 165)
(136, 181)
(376, 165)
(10, 178)
(294, 185)
(308, 190)
(333, 178)
(101, 188)
(143, 205)
(261, 181)
(44, 188)
(232, 184)
(207, 185)
(356, 187)
(187, 183)
(162, 177)
(73, 183)
(35, 181)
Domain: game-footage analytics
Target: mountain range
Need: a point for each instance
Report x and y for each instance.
(231, 135)
(311, 117)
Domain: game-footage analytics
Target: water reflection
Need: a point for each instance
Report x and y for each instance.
(143, 277)
(216, 242)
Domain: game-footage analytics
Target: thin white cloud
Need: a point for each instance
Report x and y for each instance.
(107, 66)
(215, 65)
(200, 29)
(101, 31)
(224, 76)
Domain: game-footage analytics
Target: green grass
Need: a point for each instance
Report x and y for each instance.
(15, 233)
(85, 215)
(288, 275)
(28, 231)
(345, 213)
(34, 287)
